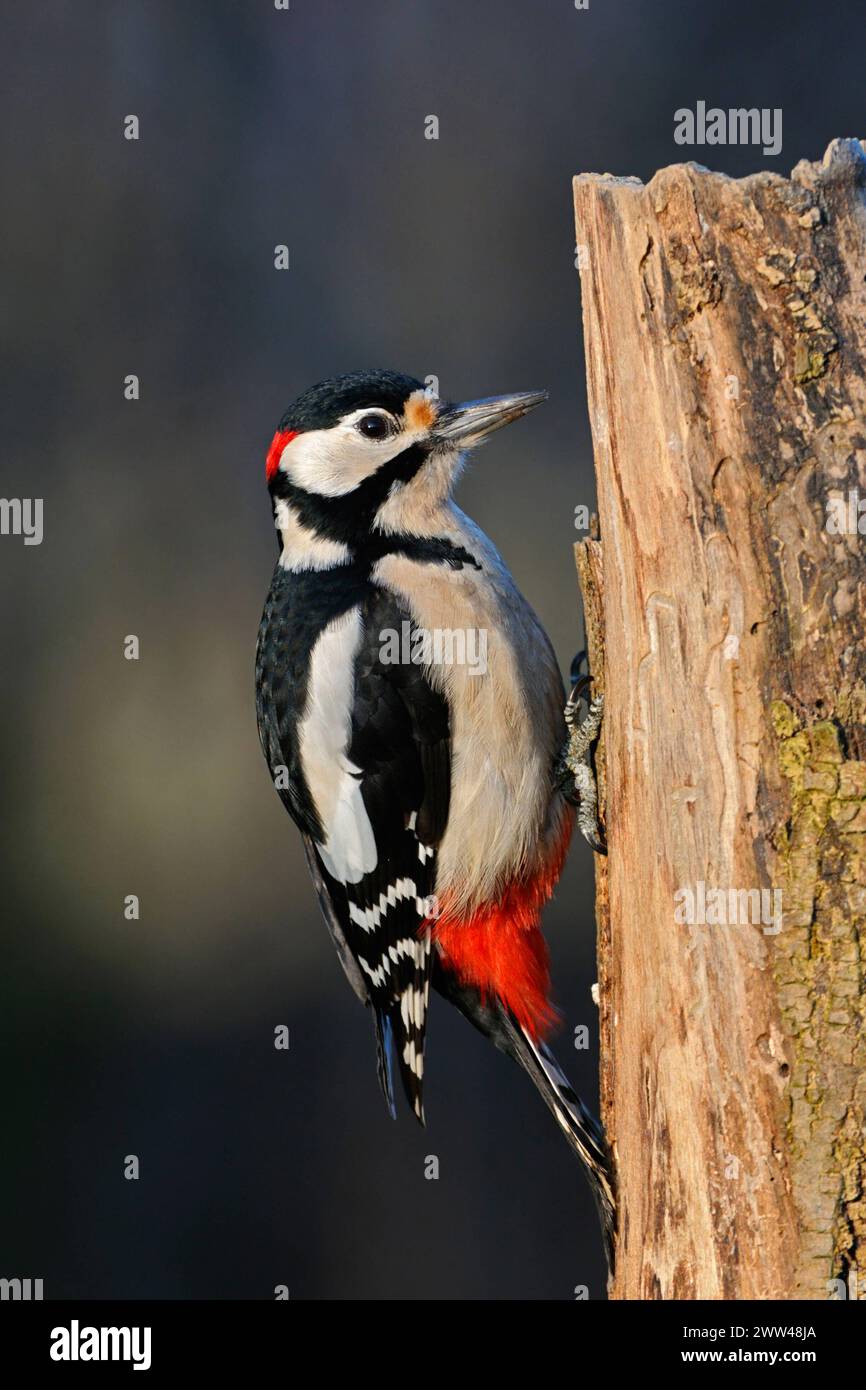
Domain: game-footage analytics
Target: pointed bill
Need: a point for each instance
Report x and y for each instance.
(472, 421)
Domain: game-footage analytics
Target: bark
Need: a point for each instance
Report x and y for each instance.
(725, 341)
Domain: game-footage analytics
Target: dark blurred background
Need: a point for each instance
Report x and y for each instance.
(452, 257)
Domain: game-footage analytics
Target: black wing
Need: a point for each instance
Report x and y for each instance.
(400, 744)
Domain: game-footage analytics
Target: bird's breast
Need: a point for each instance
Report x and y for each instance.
(488, 654)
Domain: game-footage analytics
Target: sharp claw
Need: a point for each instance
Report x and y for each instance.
(595, 841)
(578, 761)
(577, 693)
(579, 666)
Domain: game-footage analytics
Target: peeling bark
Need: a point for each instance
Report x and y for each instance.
(726, 360)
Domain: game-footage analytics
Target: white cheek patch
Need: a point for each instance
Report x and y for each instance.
(349, 850)
(329, 462)
(333, 462)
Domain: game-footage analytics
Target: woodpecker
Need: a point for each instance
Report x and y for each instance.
(431, 793)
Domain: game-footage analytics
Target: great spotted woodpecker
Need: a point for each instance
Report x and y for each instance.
(429, 791)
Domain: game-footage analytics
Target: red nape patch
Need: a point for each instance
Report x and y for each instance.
(500, 948)
(278, 444)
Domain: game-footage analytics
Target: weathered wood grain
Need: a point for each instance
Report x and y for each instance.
(725, 340)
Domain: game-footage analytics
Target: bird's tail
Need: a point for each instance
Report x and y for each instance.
(384, 1031)
(581, 1129)
(579, 1126)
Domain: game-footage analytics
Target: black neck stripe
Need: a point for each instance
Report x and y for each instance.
(348, 517)
(432, 550)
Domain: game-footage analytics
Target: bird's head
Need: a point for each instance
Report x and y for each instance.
(375, 450)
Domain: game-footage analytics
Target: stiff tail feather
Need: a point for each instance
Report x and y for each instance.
(581, 1129)
(385, 1057)
(579, 1126)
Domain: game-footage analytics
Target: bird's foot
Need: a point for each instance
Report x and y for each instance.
(577, 768)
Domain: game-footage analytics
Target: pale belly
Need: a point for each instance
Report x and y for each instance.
(505, 819)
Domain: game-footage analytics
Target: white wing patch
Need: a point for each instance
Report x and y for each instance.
(349, 851)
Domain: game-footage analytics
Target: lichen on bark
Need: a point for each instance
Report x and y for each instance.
(819, 973)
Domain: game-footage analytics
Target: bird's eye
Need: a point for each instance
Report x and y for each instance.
(374, 426)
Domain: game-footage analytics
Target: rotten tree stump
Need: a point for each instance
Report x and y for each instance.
(725, 333)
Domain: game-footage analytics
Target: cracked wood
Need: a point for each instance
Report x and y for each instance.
(725, 341)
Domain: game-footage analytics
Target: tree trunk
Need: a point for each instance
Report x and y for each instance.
(726, 359)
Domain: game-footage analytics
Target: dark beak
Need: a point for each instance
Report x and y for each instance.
(469, 423)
